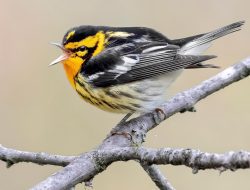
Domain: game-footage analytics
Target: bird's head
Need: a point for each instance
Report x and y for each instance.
(79, 44)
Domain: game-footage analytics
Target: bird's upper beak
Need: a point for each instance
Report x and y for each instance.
(62, 57)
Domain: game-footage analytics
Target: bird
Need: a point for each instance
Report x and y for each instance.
(129, 69)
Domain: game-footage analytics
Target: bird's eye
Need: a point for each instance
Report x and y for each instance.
(82, 48)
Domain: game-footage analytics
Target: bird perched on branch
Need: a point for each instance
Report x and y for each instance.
(129, 69)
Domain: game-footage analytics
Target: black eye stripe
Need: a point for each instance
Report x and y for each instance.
(82, 48)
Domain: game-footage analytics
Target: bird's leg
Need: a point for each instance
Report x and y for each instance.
(124, 119)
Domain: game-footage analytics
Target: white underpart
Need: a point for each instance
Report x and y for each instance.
(158, 85)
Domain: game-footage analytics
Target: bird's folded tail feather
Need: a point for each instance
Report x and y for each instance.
(190, 44)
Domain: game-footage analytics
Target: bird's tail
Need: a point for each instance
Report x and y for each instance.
(195, 45)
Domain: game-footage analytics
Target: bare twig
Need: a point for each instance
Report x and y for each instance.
(11, 156)
(157, 177)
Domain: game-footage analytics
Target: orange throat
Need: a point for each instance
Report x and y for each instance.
(71, 68)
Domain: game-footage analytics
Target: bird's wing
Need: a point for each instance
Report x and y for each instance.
(130, 62)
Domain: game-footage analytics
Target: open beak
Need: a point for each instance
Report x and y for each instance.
(63, 57)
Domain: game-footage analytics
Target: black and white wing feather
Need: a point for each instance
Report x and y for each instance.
(130, 63)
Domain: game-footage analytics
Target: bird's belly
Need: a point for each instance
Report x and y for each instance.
(141, 96)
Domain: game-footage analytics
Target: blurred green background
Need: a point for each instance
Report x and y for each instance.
(40, 112)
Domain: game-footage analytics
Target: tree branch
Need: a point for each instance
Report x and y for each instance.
(157, 177)
(11, 156)
(86, 166)
(101, 159)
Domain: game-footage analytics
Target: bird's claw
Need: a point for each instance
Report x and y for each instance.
(159, 115)
(125, 134)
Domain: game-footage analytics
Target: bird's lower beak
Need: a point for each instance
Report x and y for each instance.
(59, 59)
(63, 57)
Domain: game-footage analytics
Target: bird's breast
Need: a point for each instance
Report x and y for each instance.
(140, 96)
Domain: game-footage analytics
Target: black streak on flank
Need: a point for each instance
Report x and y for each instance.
(86, 98)
(133, 97)
(108, 104)
(111, 94)
(136, 105)
(87, 91)
(125, 107)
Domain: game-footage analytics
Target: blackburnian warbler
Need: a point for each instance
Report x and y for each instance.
(129, 69)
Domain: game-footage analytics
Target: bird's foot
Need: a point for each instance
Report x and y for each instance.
(123, 133)
(122, 122)
(159, 115)
(135, 137)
